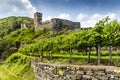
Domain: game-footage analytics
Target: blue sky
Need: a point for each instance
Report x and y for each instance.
(88, 12)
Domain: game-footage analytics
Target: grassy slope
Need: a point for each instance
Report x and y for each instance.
(17, 67)
(6, 74)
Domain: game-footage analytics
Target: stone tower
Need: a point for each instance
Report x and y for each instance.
(37, 20)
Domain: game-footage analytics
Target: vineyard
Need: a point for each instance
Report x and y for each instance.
(97, 45)
(93, 45)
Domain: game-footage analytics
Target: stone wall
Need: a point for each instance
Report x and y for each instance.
(24, 25)
(44, 71)
(46, 24)
(55, 24)
(61, 24)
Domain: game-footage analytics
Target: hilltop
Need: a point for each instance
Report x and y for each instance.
(90, 46)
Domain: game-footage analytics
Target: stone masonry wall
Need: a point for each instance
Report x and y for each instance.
(44, 71)
(55, 24)
(61, 24)
(44, 25)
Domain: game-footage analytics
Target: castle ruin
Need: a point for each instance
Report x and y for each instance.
(24, 25)
(55, 24)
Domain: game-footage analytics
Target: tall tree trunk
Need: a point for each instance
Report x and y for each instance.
(110, 54)
(89, 54)
(98, 53)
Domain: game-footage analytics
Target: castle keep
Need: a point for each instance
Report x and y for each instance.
(55, 24)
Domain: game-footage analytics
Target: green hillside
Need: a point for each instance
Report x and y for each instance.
(87, 46)
(12, 23)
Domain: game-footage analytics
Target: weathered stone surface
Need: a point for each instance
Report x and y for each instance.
(55, 24)
(60, 24)
(44, 71)
(109, 71)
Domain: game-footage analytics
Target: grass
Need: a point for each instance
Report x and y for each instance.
(103, 53)
(6, 75)
(63, 58)
(81, 58)
(17, 67)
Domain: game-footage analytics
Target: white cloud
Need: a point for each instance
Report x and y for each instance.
(61, 16)
(47, 18)
(64, 16)
(86, 20)
(111, 15)
(81, 16)
(93, 19)
(16, 8)
(118, 20)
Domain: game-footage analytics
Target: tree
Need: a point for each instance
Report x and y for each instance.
(90, 40)
(111, 30)
(99, 38)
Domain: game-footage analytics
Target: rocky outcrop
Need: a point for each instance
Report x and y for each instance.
(44, 71)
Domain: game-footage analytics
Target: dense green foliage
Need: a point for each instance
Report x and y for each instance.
(10, 38)
(96, 45)
(10, 24)
(9, 30)
(104, 34)
(17, 66)
(10, 43)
